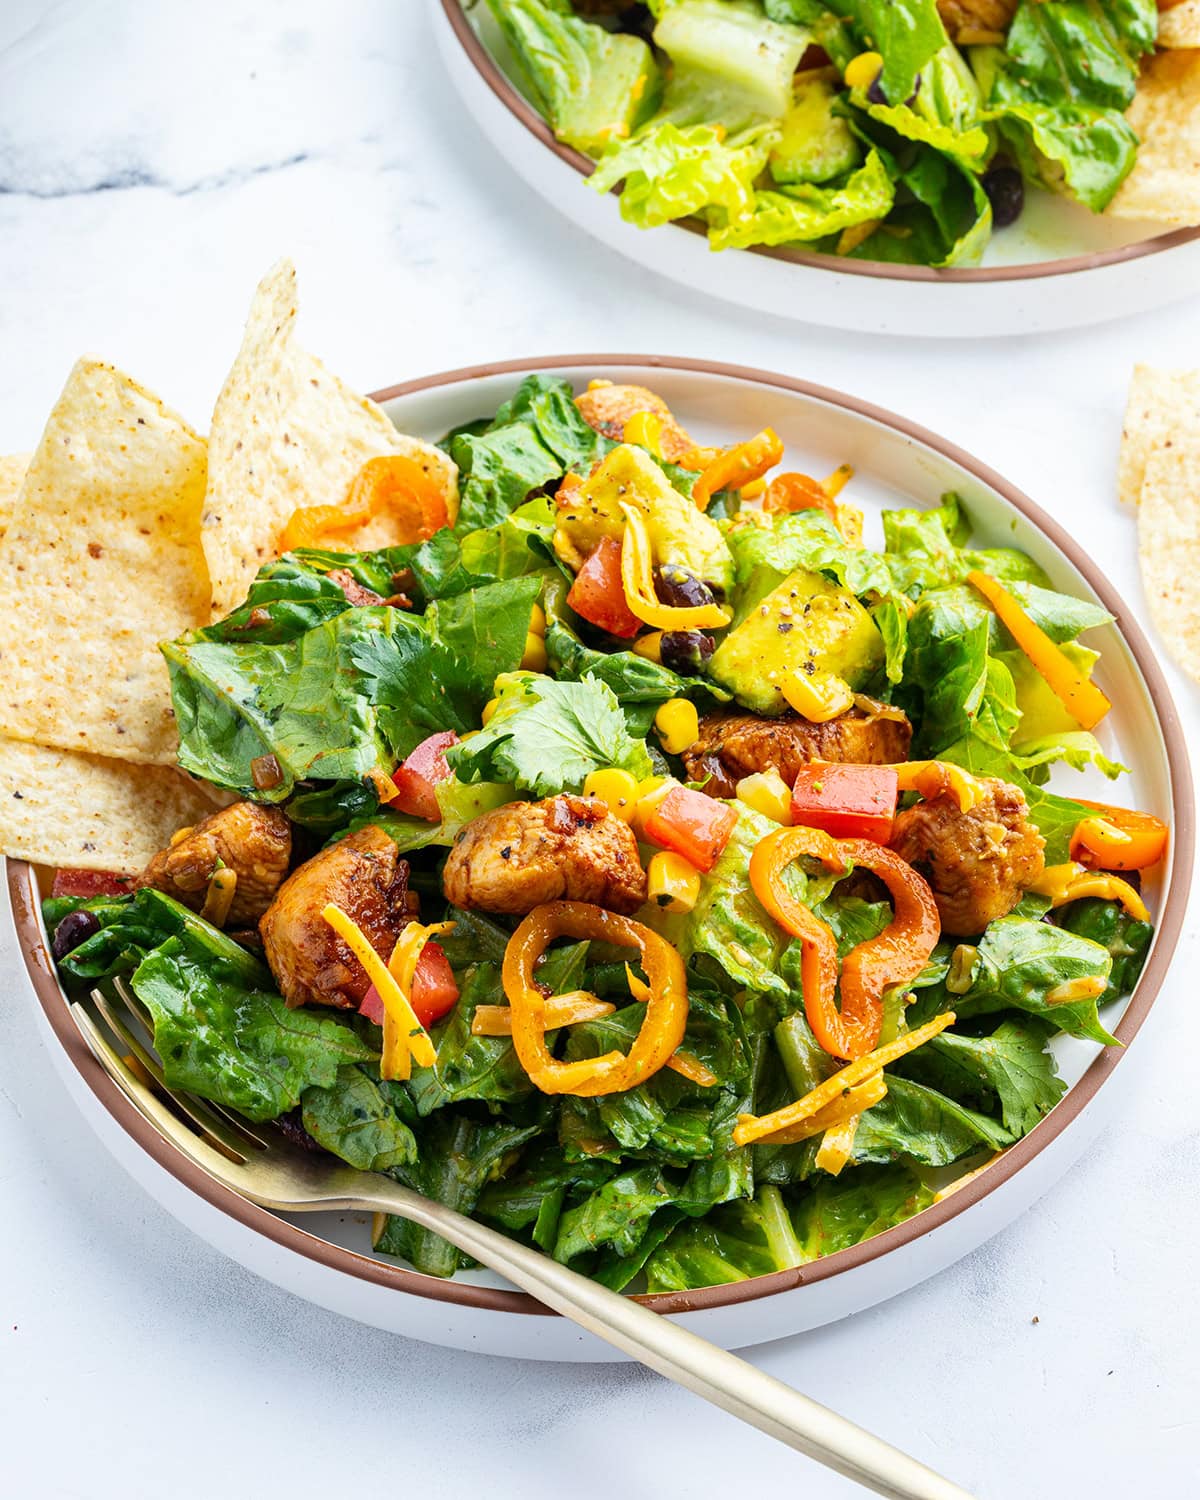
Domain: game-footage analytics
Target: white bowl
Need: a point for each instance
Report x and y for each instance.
(1060, 266)
(327, 1258)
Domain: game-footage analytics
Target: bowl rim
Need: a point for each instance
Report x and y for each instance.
(22, 885)
(520, 108)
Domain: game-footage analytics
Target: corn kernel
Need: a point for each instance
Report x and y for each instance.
(817, 696)
(649, 646)
(650, 793)
(489, 708)
(678, 725)
(767, 793)
(616, 788)
(862, 71)
(537, 621)
(754, 489)
(673, 882)
(535, 658)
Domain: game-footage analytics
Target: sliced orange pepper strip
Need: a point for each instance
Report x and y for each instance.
(666, 1010)
(895, 956)
(792, 492)
(1082, 699)
(1118, 838)
(738, 466)
(389, 482)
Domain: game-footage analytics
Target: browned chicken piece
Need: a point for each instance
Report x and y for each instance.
(607, 408)
(978, 863)
(977, 20)
(364, 875)
(734, 744)
(254, 842)
(563, 848)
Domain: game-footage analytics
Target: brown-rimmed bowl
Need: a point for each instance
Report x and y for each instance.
(1060, 266)
(327, 1259)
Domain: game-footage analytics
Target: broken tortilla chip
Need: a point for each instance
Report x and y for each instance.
(101, 561)
(85, 812)
(12, 472)
(1180, 26)
(1169, 546)
(1165, 182)
(1162, 404)
(287, 434)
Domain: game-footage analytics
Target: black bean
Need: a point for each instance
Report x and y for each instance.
(686, 651)
(1005, 188)
(75, 928)
(676, 586)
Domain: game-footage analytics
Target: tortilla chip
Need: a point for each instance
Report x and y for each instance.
(102, 560)
(1180, 26)
(1162, 404)
(1165, 182)
(12, 472)
(1169, 547)
(83, 812)
(286, 433)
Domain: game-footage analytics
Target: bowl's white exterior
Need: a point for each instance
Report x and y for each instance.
(873, 303)
(893, 467)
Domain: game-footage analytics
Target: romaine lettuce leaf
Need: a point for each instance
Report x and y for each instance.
(616, 1214)
(750, 1238)
(592, 84)
(907, 33)
(356, 1119)
(834, 1213)
(1019, 965)
(1010, 1069)
(806, 211)
(672, 173)
(920, 1125)
(223, 1032)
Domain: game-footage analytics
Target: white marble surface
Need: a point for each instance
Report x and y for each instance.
(154, 160)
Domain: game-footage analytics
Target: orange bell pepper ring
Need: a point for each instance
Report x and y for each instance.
(1081, 698)
(895, 956)
(1118, 838)
(388, 483)
(666, 1009)
(738, 466)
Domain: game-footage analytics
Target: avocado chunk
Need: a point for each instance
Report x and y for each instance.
(815, 143)
(679, 532)
(729, 51)
(808, 623)
(594, 86)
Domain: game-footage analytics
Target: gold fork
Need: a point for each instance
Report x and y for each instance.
(258, 1164)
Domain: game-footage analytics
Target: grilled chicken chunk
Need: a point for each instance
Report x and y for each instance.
(979, 863)
(607, 408)
(968, 18)
(362, 874)
(734, 744)
(563, 848)
(255, 842)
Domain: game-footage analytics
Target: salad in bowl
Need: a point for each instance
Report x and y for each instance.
(900, 132)
(598, 831)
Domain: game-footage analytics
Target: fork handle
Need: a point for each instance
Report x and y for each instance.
(720, 1377)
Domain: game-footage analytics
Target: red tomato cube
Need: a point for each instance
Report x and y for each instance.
(598, 595)
(692, 824)
(846, 801)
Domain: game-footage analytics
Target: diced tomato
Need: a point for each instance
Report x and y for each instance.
(372, 1006)
(846, 801)
(692, 824)
(598, 595)
(418, 777)
(89, 883)
(434, 993)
